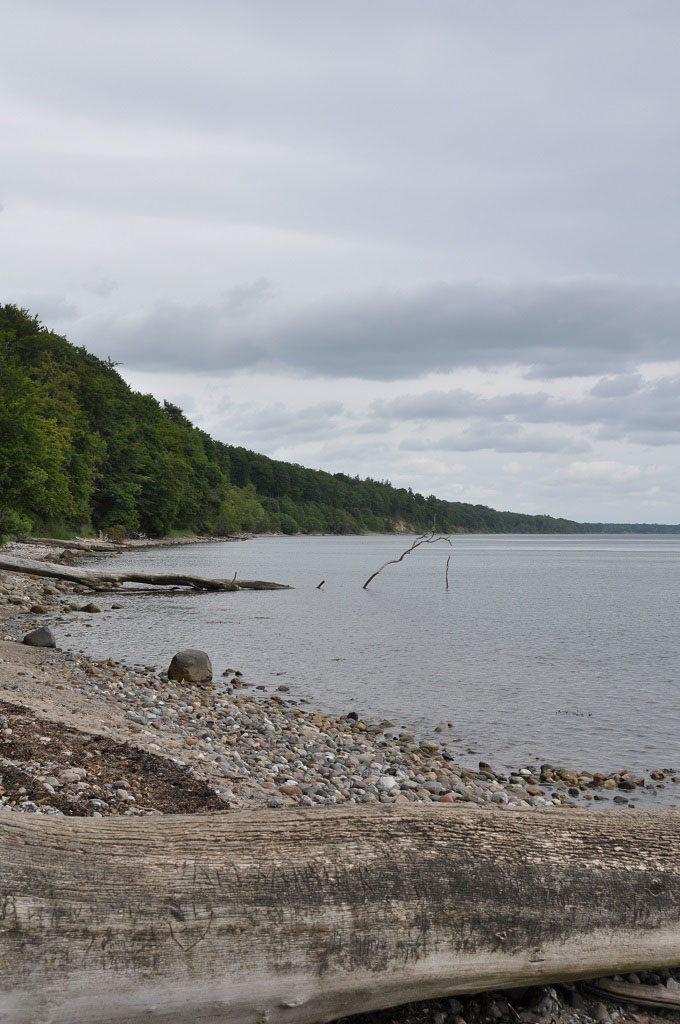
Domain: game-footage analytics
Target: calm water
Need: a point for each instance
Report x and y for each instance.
(562, 649)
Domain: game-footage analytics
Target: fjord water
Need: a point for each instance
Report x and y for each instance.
(558, 649)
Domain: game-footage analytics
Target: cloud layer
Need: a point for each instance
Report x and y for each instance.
(434, 243)
(565, 329)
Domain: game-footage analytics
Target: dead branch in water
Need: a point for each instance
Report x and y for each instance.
(448, 560)
(424, 538)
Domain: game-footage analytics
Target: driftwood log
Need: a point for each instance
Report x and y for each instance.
(73, 545)
(98, 578)
(308, 915)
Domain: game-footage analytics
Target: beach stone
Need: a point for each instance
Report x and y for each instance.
(41, 637)
(191, 666)
(72, 774)
(91, 609)
(386, 783)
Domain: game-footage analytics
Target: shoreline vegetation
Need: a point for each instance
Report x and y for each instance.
(83, 453)
(86, 738)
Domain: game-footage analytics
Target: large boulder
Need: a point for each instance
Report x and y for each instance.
(40, 638)
(191, 667)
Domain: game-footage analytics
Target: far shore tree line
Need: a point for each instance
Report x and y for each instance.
(81, 452)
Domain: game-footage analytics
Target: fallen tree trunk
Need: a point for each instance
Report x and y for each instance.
(98, 578)
(73, 545)
(309, 915)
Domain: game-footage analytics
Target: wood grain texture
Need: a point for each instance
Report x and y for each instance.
(97, 578)
(307, 915)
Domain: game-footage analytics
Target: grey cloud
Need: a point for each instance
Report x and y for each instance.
(242, 300)
(102, 287)
(50, 308)
(652, 410)
(570, 328)
(617, 387)
(655, 438)
(463, 124)
(499, 437)
(616, 408)
(277, 425)
(458, 404)
(371, 427)
(180, 337)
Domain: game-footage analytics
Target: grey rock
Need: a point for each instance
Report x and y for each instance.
(386, 783)
(41, 637)
(191, 666)
(72, 774)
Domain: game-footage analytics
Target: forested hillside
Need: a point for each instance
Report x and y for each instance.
(80, 451)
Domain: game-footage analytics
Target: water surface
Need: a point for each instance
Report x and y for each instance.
(559, 649)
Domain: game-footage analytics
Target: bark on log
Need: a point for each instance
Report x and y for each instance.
(305, 915)
(98, 578)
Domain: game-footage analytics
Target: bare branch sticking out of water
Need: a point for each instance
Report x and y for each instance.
(424, 538)
(447, 570)
(320, 585)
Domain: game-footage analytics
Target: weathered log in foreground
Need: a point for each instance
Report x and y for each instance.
(97, 578)
(308, 915)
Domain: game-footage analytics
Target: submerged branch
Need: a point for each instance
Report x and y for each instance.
(424, 538)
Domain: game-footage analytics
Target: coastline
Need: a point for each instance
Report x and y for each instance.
(252, 748)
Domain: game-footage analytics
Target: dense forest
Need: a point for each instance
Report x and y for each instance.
(81, 452)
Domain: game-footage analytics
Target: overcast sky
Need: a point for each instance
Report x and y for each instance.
(429, 241)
